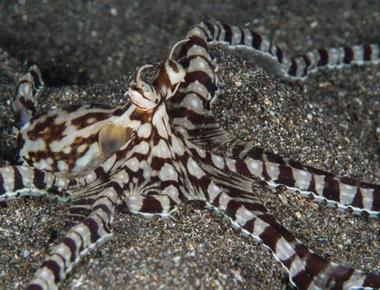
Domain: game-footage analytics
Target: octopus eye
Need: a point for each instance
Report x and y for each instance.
(142, 94)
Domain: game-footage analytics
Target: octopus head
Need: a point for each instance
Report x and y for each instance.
(143, 94)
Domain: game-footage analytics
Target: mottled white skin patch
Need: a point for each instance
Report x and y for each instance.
(62, 165)
(218, 161)
(161, 122)
(193, 102)
(134, 202)
(133, 164)
(319, 183)
(45, 278)
(367, 197)
(90, 177)
(177, 146)
(243, 215)
(313, 56)
(197, 87)
(213, 191)
(201, 152)
(91, 127)
(172, 191)
(259, 227)
(220, 30)
(194, 168)
(347, 193)
(142, 148)
(66, 149)
(165, 204)
(284, 250)
(302, 178)
(88, 161)
(236, 35)
(8, 174)
(61, 182)
(81, 148)
(25, 89)
(27, 175)
(196, 32)
(161, 150)
(231, 164)
(358, 54)
(296, 266)
(333, 57)
(84, 232)
(37, 145)
(248, 36)
(272, 170)
(254, 166)
(144, 130)
(199, 64)
(167, 172)
(223, 201)
(61, 262)
(175, 77)
(121, 177)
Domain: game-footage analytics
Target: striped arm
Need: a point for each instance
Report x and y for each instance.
(161, 205)
(332, 58)
(91, 232)
(190, 107)
(230, 193)
(306, 269)
(291, 68)
(244, 38)
(159, 196)
(344, 193)
(20, 181)
(252, 162)
(29, 86)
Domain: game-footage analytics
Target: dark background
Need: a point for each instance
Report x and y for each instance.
(77, 42)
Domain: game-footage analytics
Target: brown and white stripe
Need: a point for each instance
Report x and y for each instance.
(19, 181)
(91, 232)
(345, 193)
(162, 204)
(348, 194)
(306, 269)
(226, 192)
(332, 58)
(190, 108)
